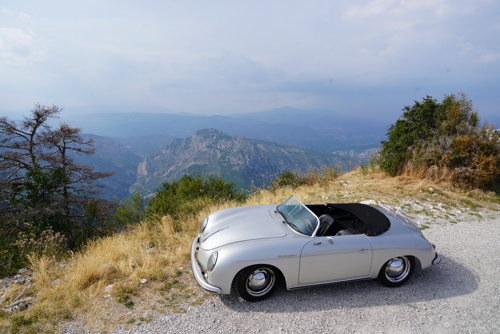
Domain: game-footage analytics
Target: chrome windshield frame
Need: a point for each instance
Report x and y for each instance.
(292, 219)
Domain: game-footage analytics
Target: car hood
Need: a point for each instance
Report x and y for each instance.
(242, 224)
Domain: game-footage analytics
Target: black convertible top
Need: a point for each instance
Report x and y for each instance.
(376, 222)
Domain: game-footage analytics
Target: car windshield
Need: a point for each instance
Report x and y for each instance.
(298, 216)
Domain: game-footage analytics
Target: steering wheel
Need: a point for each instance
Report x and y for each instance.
(310, 226)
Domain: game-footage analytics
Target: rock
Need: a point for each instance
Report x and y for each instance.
(19, 305)
(369, 202)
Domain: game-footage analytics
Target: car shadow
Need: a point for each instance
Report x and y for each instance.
(445, 280)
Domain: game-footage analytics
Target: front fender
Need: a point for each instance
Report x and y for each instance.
(283, 254)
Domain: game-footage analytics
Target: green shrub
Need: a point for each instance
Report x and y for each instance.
(311, 177)
(10, 261)
(445, 136)
(287, 179)
(190, 194)
(129, 211)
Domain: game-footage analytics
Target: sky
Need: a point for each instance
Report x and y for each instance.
(363, 57)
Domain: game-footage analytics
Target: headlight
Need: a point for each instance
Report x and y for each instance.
(212, 260)
(203, 225)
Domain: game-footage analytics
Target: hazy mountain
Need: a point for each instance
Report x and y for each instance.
(237, 159)
(147, 133)
(323, 130)
(112, 156)
(247, 146)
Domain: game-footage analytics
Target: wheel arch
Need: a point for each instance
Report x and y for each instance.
(416, 261)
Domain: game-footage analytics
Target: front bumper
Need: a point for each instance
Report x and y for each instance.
(437, 259)
(198, 275)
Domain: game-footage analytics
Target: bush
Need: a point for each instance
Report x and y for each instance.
(418, 124)
(190, 194)
(130, 211)
(287, 179)
(443, 139)
(48, 243)
(311, 177)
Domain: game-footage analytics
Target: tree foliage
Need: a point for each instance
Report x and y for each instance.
(41, 187)
(130, 211)
(446, 137)
(190, 194)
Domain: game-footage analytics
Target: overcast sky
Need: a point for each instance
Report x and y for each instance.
(365, 57)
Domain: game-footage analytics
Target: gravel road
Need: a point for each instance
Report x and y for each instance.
(460, 295)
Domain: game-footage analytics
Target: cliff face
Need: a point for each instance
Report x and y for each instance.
(237, 159)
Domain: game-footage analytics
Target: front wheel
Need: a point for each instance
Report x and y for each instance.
(397, 271)
(257, 283)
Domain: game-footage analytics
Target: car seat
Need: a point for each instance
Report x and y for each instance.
(325, 221)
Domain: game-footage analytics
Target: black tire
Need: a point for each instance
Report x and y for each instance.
(257, 283)
(397, 271)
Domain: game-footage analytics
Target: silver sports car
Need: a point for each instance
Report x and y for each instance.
(254, 248)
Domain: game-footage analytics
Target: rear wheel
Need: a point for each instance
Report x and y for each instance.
(257, 283)
(397, 271)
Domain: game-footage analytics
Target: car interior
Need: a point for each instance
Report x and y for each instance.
(349, 219)
(329, 226)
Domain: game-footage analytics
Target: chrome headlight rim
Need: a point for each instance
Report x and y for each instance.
(212, 261)
(203, 225)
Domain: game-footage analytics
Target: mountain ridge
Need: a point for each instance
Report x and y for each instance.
(327, 131)
(241, 160)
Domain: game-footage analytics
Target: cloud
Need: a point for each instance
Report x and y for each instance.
(18, 47)
(216, 57)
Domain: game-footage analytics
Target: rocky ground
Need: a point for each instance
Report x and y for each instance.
(22, 300)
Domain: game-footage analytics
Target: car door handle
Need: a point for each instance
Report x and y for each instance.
(329, 239)
(365, 250)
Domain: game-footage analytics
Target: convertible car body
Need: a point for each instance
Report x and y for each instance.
(253, 248)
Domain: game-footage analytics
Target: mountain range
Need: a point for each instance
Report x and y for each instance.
(147, 149)
(240, 160)
(326, 131)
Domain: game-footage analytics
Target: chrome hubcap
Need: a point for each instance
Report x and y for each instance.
(397, 269)
(260, 282)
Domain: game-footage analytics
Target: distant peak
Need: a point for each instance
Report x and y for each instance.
(210, 132)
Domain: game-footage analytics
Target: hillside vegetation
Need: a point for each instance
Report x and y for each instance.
(128, 277)
(443, 141)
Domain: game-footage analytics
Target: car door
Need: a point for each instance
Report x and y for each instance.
(329, 259)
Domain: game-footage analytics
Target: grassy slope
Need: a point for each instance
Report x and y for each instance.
(127, 278)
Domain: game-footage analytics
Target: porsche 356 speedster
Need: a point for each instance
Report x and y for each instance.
(253, 248)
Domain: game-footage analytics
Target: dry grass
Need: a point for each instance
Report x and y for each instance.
(104, 284)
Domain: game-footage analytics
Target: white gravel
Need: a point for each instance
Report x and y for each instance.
(460, 295)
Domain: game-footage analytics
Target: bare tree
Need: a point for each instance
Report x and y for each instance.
(41, 186)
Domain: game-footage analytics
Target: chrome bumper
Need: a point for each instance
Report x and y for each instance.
(437, 259)
(198, 275)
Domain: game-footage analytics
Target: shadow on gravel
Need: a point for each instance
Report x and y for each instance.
(446, 280)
